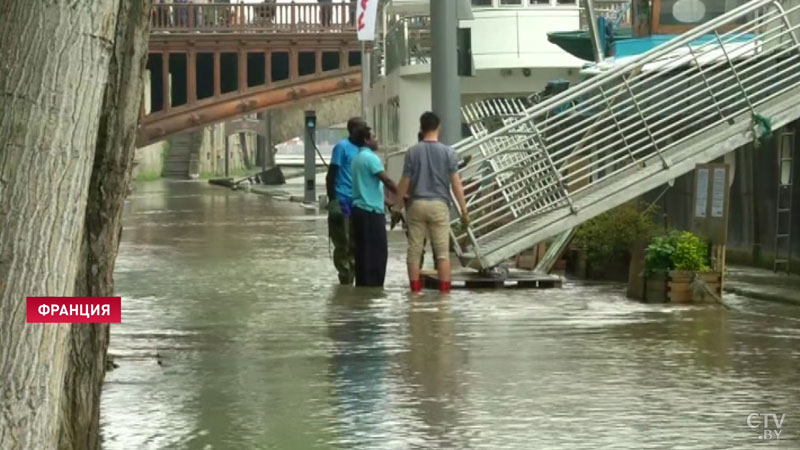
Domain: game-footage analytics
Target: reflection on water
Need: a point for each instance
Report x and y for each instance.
(235, 336)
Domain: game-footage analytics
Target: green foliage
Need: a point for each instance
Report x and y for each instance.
(610, 235)
(691, 253)
(658, 255)
(148, 176)
(676, 250)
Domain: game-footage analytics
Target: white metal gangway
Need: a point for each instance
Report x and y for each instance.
(629, 129)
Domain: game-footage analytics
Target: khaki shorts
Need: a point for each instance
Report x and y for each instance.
(432, 218)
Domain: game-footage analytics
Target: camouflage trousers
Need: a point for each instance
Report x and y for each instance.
(339, 230)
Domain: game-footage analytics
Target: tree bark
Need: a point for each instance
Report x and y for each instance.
(54, 60)
(111, 174)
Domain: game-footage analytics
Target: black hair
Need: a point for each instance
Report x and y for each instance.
(361, 135)
(420, 136)
(428, 122)
(354, 123)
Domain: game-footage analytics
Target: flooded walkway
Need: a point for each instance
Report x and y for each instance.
(234, 336)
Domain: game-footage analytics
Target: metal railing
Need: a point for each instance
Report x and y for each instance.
(264, 17)
(626, 120)
(408, 42)
(616, 11)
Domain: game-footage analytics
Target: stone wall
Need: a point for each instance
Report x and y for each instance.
(208, 158)
(149, 161)
(287, 122)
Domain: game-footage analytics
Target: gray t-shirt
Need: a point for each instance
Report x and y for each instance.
(429, 165)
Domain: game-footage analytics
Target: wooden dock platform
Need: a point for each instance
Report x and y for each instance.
(516, 279)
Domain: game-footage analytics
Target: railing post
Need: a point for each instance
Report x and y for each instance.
(735, 73)
(553, 167)
(190, 11)
(616, 122)
(644, 121)
(706, 83)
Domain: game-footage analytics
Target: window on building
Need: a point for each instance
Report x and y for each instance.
(510, 2)
(566, 2)
(542, 2)
(482, 3)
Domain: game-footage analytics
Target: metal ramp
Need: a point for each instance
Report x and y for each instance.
(628, 129)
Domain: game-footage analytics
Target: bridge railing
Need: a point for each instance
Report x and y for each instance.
(247, 18)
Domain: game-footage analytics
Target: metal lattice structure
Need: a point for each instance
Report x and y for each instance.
(626, 130)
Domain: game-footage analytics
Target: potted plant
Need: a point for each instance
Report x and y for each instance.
(672, 263)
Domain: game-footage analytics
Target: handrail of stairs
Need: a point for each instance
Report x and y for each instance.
(651, 55)
(630, 119)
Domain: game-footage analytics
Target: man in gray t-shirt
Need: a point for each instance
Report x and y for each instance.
(429, 171)
(429, 165)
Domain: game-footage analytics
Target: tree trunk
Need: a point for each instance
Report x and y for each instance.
(113, 161)
(54, 60)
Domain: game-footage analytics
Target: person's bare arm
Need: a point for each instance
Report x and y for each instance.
(387, 182)
(330, 181)
(458, 190)
(402, 191)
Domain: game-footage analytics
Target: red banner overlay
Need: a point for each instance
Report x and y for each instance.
(74, 309)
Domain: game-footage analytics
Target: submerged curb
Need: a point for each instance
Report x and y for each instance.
(762, 295)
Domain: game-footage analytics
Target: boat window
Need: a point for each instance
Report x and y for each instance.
(538, 2)
(482, 3)
(511, 2)
(677, 16)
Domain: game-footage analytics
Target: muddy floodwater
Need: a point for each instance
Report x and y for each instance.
(235, 336)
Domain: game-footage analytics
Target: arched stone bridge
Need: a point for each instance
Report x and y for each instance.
(213, 62)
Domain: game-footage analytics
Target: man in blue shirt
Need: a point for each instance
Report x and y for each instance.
(369, 217)
(340, 194)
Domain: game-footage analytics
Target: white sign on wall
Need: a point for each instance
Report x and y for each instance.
(701, 201)
(718, 192)
(366, 18)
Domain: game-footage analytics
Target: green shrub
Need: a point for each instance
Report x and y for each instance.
(691, 253)
(658, 255)
(676, 251)
(610, 235)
